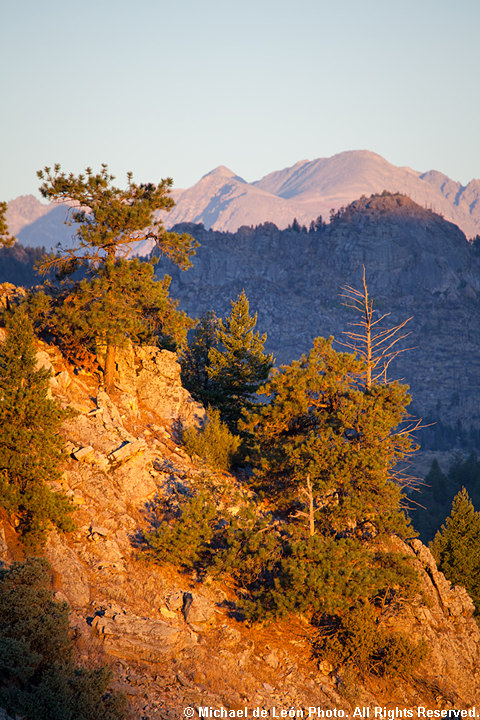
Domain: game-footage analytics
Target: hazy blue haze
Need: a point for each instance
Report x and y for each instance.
(176, 88)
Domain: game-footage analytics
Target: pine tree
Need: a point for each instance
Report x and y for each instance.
(123, 302)
(6, 240)
(30, 446)
(108, 221)
(456, 546)
(238, 366)
(194, 359)
(325, 448)
(322, 424)
(40, 678)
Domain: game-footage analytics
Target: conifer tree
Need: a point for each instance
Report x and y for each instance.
(194, 359)
(30, 446)
(123, 301)
(238, 366)
(322, 424)
(456, 546)
(108, 220)
(6, 240)
(40, 679)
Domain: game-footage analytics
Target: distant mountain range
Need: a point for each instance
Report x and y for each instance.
(222, 200)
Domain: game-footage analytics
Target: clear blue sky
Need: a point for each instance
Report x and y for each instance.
(177, 88)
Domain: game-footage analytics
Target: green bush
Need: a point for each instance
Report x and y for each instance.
(356, 639)
(214, 443)
(249, 549)
(342, 585)
(30, 443)
(186, 539)
(286, 571)
(40, 680)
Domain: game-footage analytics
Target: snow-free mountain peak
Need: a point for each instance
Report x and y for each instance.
(223, 200)
(222, 171)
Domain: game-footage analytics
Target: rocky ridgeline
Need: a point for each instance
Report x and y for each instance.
(417, 265)
(171, 639)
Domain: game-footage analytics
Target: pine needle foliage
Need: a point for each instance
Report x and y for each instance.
(456, 546)
(40, 679)
(213, 443)
(123, 303)
(321, 423)
(237, 365)
(195, 358)
(108, 220)
(325, 447)
(185, 540)
(30, 444)
(287, 571)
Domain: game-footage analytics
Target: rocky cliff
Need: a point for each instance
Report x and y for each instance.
(122, 459)
(417, 265)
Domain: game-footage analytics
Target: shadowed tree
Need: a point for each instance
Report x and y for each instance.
(40, 679)
(30, 446)
(194, 359)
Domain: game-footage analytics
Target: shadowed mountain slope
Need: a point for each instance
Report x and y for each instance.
(417, 265)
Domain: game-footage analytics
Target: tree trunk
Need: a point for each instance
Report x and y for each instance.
(109, 371)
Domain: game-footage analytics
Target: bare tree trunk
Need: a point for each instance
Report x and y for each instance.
(375, 345)
(307, 493)
(368, 314)
(109, 372)
(311, 509)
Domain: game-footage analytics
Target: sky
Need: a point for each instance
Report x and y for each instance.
(174, 89)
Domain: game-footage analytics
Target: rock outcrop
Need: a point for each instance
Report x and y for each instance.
(150, 378)
(172, 639)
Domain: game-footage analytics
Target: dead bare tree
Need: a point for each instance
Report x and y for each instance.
(307, 493)
(376, 345)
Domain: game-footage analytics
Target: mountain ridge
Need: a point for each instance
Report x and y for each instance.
(223, 200)
(417, 263)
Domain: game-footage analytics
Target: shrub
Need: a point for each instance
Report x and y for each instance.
(357, 639)
(40, 679)
(288, 572)
(30, 444)
(249, 550)
(214, 443)
(186, 539)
